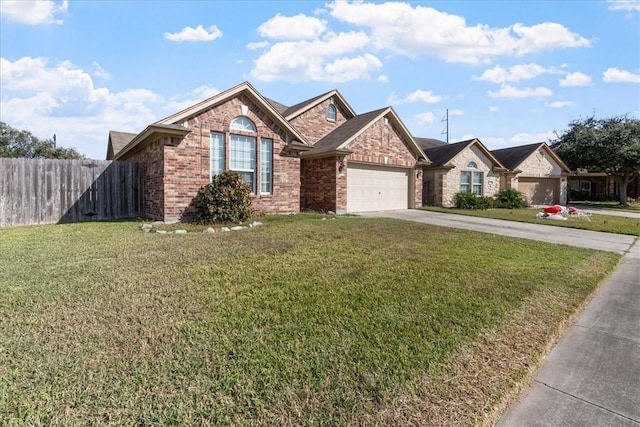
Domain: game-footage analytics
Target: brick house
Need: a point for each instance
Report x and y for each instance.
(461, 166)
(318, 155)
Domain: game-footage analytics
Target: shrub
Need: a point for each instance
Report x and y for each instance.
(224, 199)
(468, 200)
(509, 198)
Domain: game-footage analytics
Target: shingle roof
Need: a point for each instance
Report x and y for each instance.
(301, 105)
(426, 143)
(345, 131)
(117, 141)
(442, 154)
(512, 157)
(280, 108)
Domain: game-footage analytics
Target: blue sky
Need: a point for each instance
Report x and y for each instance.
(509, 72)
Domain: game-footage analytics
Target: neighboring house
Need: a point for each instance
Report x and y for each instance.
(535, 171)
(584, 185)
(461, 166)
(318, 155)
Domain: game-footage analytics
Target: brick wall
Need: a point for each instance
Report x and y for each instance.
(151, 157)
(320, 184)
(381, 143)
(313, 124)
(175, 169)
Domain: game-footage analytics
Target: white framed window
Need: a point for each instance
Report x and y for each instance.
(242, 158)
(465, 181)
(574, 185)
(266, 166)
(217, 154)
(472, 181)
(242, 123)
(472, 165)
(331, 113)
(478, 181)
(585, 186)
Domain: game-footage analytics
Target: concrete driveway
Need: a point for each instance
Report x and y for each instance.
(545, 233)
(592, 376)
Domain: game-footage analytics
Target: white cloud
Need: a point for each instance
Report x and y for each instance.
(423, 96)
(34, 12)
(258, 45)
(512, 74)
(299, 27)
(197, 95)
(493, 109)
(575, 79)
(508, 91)
(627, 5)
(347, 69)
(616, 75)
(426, 118)
(561, 104)
(317, 60)
(98, 71)
(198, 34)
(383, 78)
(61, 98)
(401, 28)
(456, 112)
(528, 138)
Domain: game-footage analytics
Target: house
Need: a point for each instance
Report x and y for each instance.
(535, 171)
(598, 186)
(318, 155)
(461, 166)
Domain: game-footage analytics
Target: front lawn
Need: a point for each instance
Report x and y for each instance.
(599, 222)
(302, 321)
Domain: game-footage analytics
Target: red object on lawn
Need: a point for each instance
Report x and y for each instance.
(555, 209)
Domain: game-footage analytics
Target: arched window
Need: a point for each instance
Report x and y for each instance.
(472, 165)
(242, 123)
(331, 113)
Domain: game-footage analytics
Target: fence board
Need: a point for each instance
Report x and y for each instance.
(44, 191)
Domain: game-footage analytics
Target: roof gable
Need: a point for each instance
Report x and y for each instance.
(339, 139)
(426, 143)
(441, 155)
(117, 141)
(295, 110)
(269, 107)
(513, 157)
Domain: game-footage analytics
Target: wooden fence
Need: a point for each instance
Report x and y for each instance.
(43, 191)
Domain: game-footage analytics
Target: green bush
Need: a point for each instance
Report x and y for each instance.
(468, 200)
(225, 199)
(508, 198)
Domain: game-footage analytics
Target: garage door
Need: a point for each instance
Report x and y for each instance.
(540, 191)
(376, 188)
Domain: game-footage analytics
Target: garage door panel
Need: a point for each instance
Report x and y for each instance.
(372, 188)
(539, 191)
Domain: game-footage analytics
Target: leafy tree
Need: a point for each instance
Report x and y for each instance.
(609, 145)
(22, 143)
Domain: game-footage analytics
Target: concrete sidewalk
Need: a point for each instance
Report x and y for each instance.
(546, 233)
(592, 376)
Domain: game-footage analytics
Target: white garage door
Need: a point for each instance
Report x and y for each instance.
(540, 191)
(376, 188)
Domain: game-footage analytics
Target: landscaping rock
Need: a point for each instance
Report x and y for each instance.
(146, 227)
(225, 229)
(255, 224)
(180, 232)
(161, 231)
(209, 230)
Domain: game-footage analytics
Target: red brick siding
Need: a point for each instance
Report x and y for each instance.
(323, 188)
(151, 158)
(382, 141)
(186, 164)
(313, 124)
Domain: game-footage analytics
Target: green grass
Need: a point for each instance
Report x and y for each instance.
(302, 321)
(599, 222)
(630, 207)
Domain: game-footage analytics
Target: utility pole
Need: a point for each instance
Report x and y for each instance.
(446, 129)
